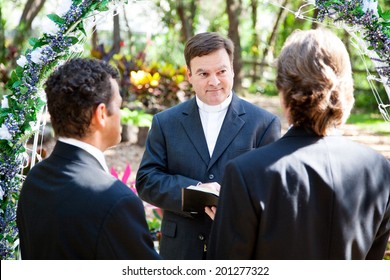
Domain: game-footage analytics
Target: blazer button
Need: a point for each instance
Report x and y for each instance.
(211, 176)
(201, 237)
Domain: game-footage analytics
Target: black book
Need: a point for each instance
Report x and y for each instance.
(195, 199)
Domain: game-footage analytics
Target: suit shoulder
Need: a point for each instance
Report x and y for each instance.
(120, 189)
(172, 111)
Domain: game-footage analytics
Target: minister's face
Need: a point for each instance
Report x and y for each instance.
(211, 77)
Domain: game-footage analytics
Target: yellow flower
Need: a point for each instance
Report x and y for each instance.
(142, 78)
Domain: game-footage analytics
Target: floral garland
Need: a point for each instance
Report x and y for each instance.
(20, 110)
(374, 24)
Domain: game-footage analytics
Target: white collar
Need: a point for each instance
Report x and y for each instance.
(214, 108)
(95, 152)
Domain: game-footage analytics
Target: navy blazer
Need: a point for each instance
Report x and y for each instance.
(70, 208)
(177, 156)
(304, 197)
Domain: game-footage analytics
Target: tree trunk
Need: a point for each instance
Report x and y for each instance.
(116, 44)
(315, 15)
(233, 9)
(255, 38)
(186, 15)
(129, 33)
(30, 11)
(184, 22)
(272, 39)
(2, 37)
(94, 38)
(116, 34)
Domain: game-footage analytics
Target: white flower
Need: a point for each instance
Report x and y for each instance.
(36, 56)
(4, 133)
(42, 94)
(371, 5)
(34, 125)
(4, 102)
(50, 27)
(65, 6)
(1, 193)
(77, 48)
(22, 61)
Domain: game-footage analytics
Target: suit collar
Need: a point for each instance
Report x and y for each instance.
(294, 131)
(74, 153)
(94, 151)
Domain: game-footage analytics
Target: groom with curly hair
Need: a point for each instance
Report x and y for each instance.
(70, 207)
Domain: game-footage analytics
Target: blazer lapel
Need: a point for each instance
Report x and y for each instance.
(193, 126)
(232, 124)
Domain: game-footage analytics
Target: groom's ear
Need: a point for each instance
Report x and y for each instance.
(99, 116)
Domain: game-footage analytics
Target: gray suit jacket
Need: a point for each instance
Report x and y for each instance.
(176, 156)
(304, 197)
(70, 208)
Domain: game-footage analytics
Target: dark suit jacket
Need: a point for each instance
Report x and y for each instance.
(304, 197)
(177, 156)
(70, 208)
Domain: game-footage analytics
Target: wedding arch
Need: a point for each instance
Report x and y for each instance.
(21, 111)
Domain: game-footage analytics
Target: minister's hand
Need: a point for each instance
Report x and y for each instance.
(211, 211)
(211, 186)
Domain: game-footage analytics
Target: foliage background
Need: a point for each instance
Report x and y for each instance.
(155, 31)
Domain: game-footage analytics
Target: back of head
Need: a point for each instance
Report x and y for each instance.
(206, 43)
(314, 78)
(74, 91)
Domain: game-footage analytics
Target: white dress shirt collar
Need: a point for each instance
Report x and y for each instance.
(95, 152)
(214, 108)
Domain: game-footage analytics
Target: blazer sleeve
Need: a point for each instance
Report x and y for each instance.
(381, 240)
(125, 234)
(154, 183)
(235, 212)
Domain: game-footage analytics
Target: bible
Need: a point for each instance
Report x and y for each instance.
(196, 198)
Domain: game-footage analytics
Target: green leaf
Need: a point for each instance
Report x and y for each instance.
(32, 41)
(16, 84)
(56, 18)
(19, 71)
(5, 147)
(103, 6)
(385, 15)
(72, 39)
(14, 78)
(81, 28)
(23, 89)
(4, 113)
(103, 9)
(387, 32)
(10, 238)
(332, 2)
(40, 103)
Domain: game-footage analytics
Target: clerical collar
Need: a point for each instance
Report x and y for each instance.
(214, 108)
